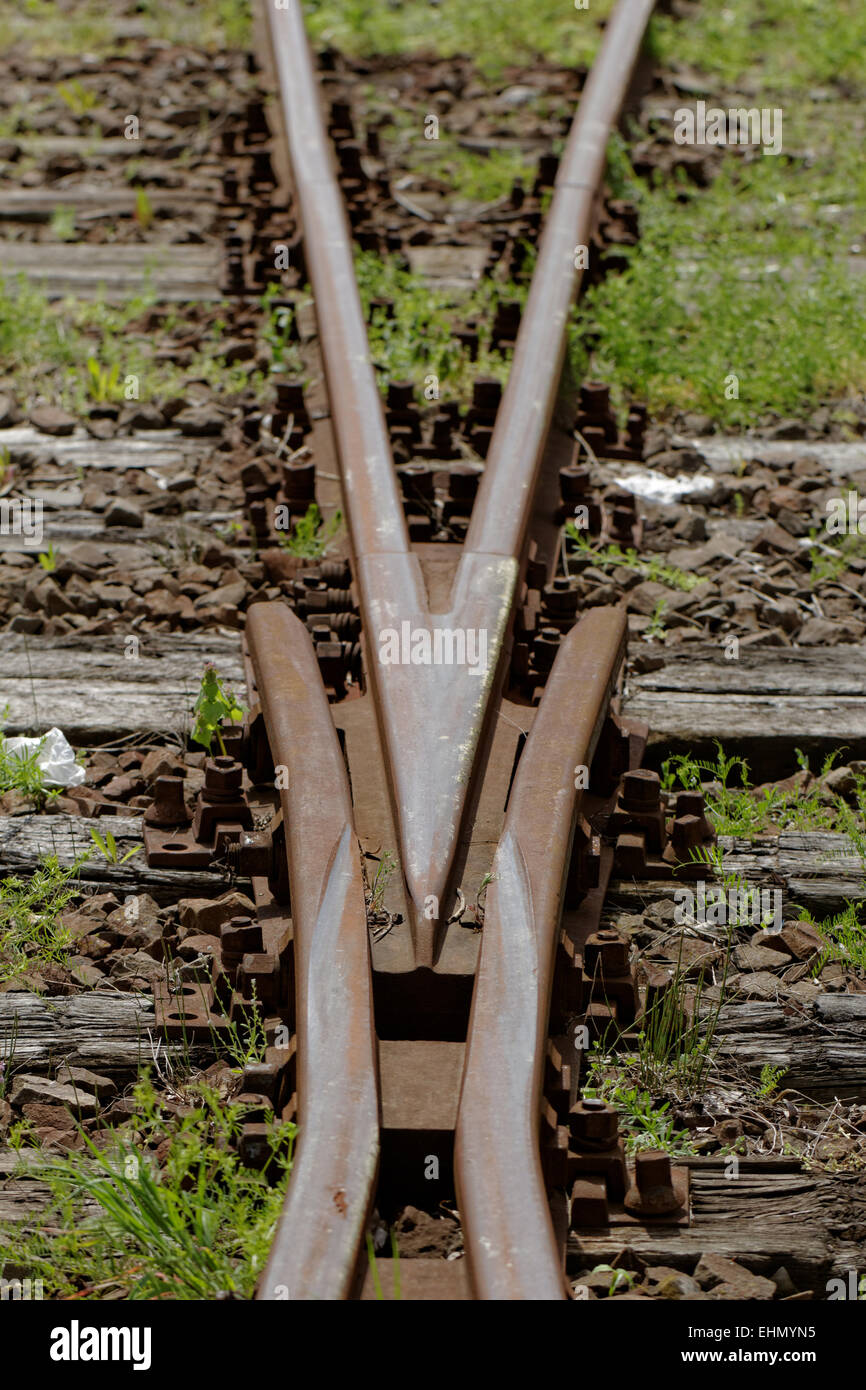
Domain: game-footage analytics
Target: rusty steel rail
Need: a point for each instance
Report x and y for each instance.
(501, 1192)
(432, 763)
(314, 1253)
(434, 723)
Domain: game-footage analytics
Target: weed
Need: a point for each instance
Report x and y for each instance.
(644, 1124)
(244, 1043)
(385, 867)
(213, 705)
(108, 847)
(614, 557)
(143, 209)
(844, 935)
(278, 319)
(747, 811)
(768, 1082)
(656, 627)
(77, 97)
(195, 1223)
(103, 383)
(310, 536)
(48, 558)
(748, 275)
(416, 339)
(63, 223)
(31, 932)
(497, 36)
(374, 1268)
(619, 1277)
(20, 772)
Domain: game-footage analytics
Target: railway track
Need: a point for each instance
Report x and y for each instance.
(442, 740)
(435, 782)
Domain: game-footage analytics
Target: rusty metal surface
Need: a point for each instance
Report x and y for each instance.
(317, 1240)
(501, 1191)
(375, 512)
(433, 718)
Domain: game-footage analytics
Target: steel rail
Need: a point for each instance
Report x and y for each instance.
(501, 1192)
(503, 505)
(315, 1249)
(432, 718)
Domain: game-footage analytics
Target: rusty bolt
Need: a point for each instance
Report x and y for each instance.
(222, 774)
(240, 935)
(169, 807)
(655, 1193)
(573, 482)
(640, 791)
(594, 1124)
(606, 952)
(687, 832)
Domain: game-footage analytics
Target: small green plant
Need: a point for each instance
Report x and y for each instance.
(310, 536)
(178, 1215)
(614, 557)
(31, 932)
(63, 223)
(844, 935)
(277, 332)
(384, 869)
(77, 97)
(143, 209)
(246, 1042)
(103, 382)
(619, 1277)
(20, 772)
(107, 847)
(747, 811)
(213, 705)
(656, 627)
(48, 558)
(374, 1268)
(768, 1082)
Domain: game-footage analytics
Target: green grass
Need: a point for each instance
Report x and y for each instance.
(310, 536)
(31, 932)
(845, 937)
(418, 341)
(79, 351)
(736, 807)
(475, 175)
(21, 772)
(614, 557)
(90, 25)
(726, 281)
(191, 1225)
(770, 43)
(493, 35)
(750, 275)
(644, 1122)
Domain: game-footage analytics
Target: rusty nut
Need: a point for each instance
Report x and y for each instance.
(593, 1122)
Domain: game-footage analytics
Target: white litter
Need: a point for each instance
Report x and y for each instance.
(56, 757)
(658, 487)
